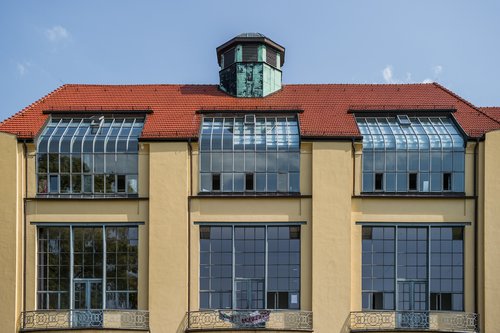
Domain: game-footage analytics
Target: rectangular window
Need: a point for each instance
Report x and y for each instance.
(446, 181)
(216, 182)
(235, 147)
(261, 258)
(379, 182)
(424, 154)
(412, 182)
(86, 153)
(249, 182)
(428, 274)
(85, 245)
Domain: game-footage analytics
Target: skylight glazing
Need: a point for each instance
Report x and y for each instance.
(89, 156)
(424, 154)
(249, 154)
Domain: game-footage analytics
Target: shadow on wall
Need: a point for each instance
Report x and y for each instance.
(347, 323)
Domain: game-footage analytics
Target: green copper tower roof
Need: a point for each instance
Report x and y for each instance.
(250, 65)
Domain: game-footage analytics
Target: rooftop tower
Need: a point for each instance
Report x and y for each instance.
(250, 65)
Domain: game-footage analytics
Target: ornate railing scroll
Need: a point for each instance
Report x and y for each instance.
(440, 321)
(245, 319)
(82, 319)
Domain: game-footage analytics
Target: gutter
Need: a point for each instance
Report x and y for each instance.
(24, 228)
(190, 190)
(476, 232)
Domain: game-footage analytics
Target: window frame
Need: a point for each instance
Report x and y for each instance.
(104, 228)
(70, 137)
(268, 146)
(456, 231)
(294, 233)
(429, 145)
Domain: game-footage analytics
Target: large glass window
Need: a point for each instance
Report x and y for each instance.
(89, 156)
(402, 154)
(250, 154)
(249, 267)
(412, 268)
(78, 265)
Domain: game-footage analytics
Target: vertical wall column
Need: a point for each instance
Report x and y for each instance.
(331, 234)
(168, 235)
(11, 232)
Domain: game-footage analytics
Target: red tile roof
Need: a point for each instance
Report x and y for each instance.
(492, 111)
(326, 107)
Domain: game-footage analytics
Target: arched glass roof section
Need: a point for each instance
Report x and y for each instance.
(83, 156)
(411, 154)
(250, 153)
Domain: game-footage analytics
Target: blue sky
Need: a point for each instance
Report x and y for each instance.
(45, 43)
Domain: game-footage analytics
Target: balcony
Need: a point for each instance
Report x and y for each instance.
(283, 320)
(435, 321)
(84, 319)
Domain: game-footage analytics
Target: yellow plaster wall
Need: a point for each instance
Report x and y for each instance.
(168, 238)
(11, 233)
(491, 232)
(331, 231)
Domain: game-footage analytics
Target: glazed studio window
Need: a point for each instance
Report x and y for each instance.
(95, 156)
(250, 267)
(250, 153)
(411, 154)
(413, 268)
(87, 267)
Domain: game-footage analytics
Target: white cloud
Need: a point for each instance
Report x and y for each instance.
(437, 70)
(57, 33)
(428, 80)
(22, 67)
(387, 74)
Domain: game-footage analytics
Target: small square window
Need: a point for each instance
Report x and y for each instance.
(404, 120)
(249, 182)
(216, 182)
(204, 232)
(412, 181)
(447, 181)
(367, 232)
(379, 182)
(249, 119)
(295, 232)
(458, 233)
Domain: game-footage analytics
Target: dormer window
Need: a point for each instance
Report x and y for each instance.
(88, 156)
(250, 153)
(411, 154)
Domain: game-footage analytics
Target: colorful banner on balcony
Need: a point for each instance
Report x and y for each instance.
(245, 318)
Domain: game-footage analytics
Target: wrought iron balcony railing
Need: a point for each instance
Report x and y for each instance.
(84, 319)
(248, 319)
(436, 321)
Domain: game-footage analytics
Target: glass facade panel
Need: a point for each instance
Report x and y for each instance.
(427, 146)
(105, 262)
(87, 153)
(412, 268)
(268, 147)
(249, 267)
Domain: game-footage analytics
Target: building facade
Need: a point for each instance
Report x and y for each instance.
(250, 206)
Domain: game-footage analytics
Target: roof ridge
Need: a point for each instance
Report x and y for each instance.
(489, 107)
(358, 84)
(38, 101)
(465, 101)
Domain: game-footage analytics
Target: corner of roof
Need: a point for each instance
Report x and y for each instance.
(35, 103)
(478, 109)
